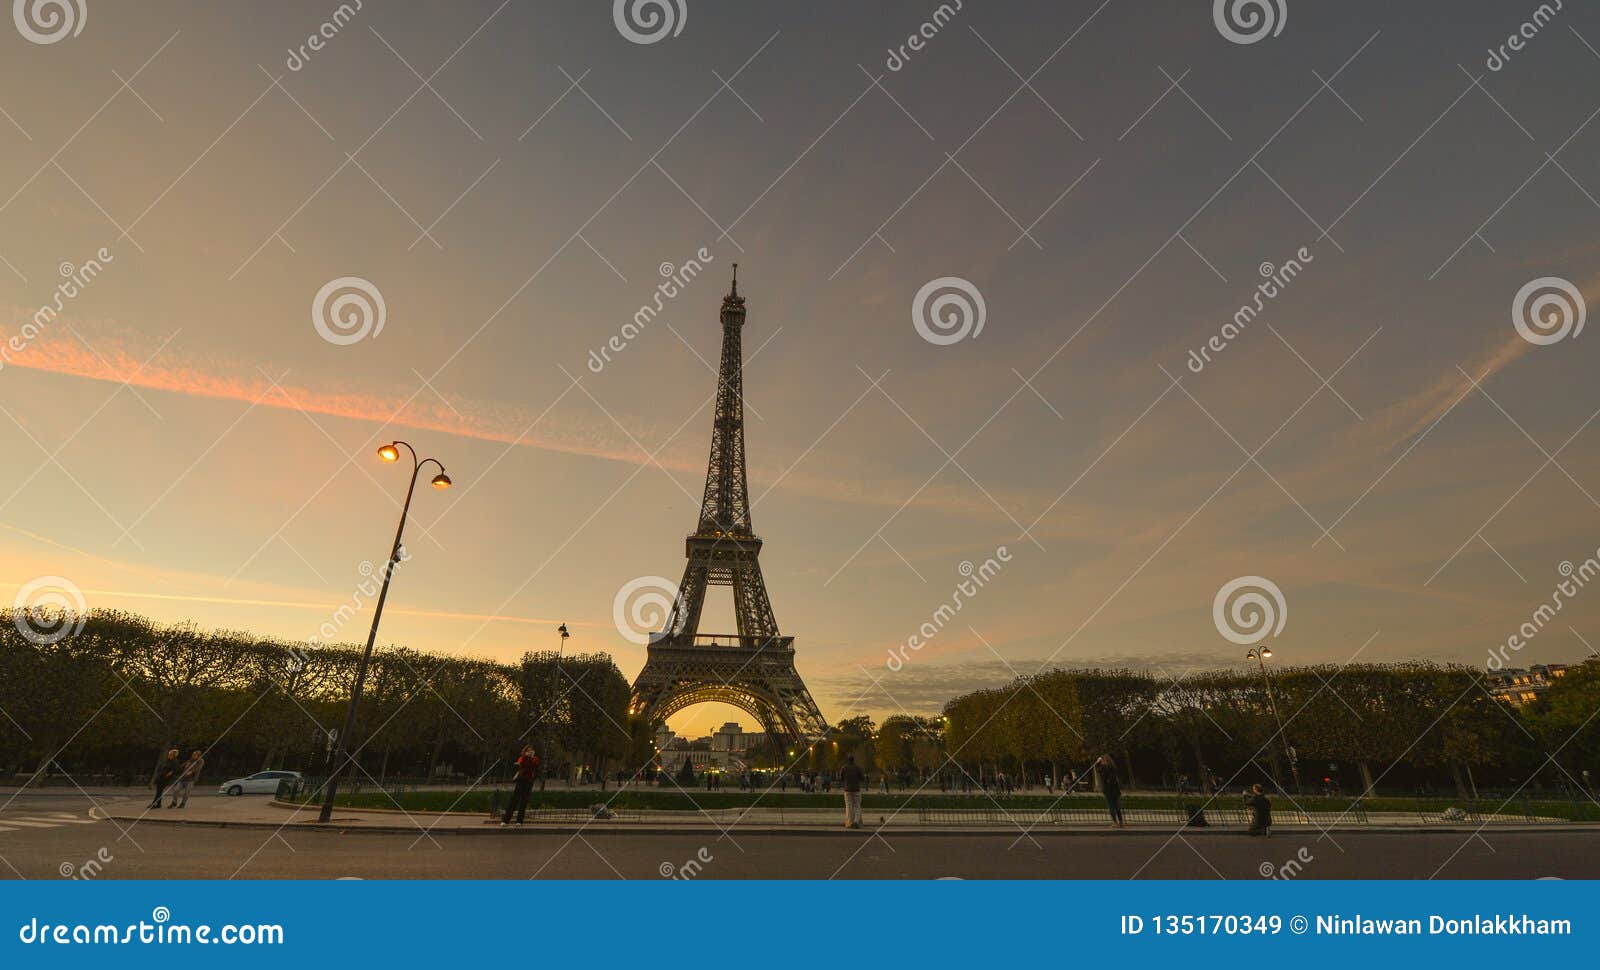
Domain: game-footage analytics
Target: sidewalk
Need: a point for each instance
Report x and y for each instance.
(265, 813)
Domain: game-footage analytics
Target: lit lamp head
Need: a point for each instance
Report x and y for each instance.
(441, 481)
(389, 453)
(562, 629)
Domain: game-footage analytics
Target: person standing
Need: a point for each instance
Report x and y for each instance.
(1111, 787)
(181, 789)
(166, 775)
(1260, 811)
(851, 778)
(527, 767)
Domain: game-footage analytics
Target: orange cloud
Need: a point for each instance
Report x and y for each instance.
(508, 424)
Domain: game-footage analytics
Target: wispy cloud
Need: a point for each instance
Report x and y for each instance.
(565, 429)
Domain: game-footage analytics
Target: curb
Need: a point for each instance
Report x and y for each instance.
(347, 827)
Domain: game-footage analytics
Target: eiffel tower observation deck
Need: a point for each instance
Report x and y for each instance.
(753, 668)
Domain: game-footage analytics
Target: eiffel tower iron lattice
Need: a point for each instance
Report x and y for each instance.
(752, 669)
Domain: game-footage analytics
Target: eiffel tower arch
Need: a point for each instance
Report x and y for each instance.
(752, 669)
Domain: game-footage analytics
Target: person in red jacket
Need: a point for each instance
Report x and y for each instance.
(527, 767)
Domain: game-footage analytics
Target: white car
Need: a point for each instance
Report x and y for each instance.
(260, 783)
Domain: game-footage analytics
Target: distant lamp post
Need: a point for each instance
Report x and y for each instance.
(555, 684)
(388, 453)
(1261, 655)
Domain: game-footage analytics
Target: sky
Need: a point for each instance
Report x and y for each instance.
(976, 268)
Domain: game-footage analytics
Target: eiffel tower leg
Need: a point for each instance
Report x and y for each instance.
(750, 603)
(691, 599)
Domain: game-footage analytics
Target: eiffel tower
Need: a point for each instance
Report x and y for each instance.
(753, 669)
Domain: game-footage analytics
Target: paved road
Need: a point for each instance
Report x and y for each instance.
(62, 835)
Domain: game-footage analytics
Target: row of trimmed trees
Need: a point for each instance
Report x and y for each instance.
(1399, 727)
(102, 702)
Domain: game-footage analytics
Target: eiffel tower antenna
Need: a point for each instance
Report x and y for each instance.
(752, 669)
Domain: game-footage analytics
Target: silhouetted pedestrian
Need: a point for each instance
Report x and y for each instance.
(851, 778)
(1111, 787)
(166, 775)
(527, 766)
(178, 794)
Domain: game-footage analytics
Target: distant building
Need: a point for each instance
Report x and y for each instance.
(732, 737)
(723, 750)
(1518, 686)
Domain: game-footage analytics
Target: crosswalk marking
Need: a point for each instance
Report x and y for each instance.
(10, 823)
(52, 819)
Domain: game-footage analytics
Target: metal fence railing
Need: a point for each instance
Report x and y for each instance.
(490, 802)
(1174, 815)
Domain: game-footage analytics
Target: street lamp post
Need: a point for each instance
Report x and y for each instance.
(389, 453)
(1261, 655)
(555, 689)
